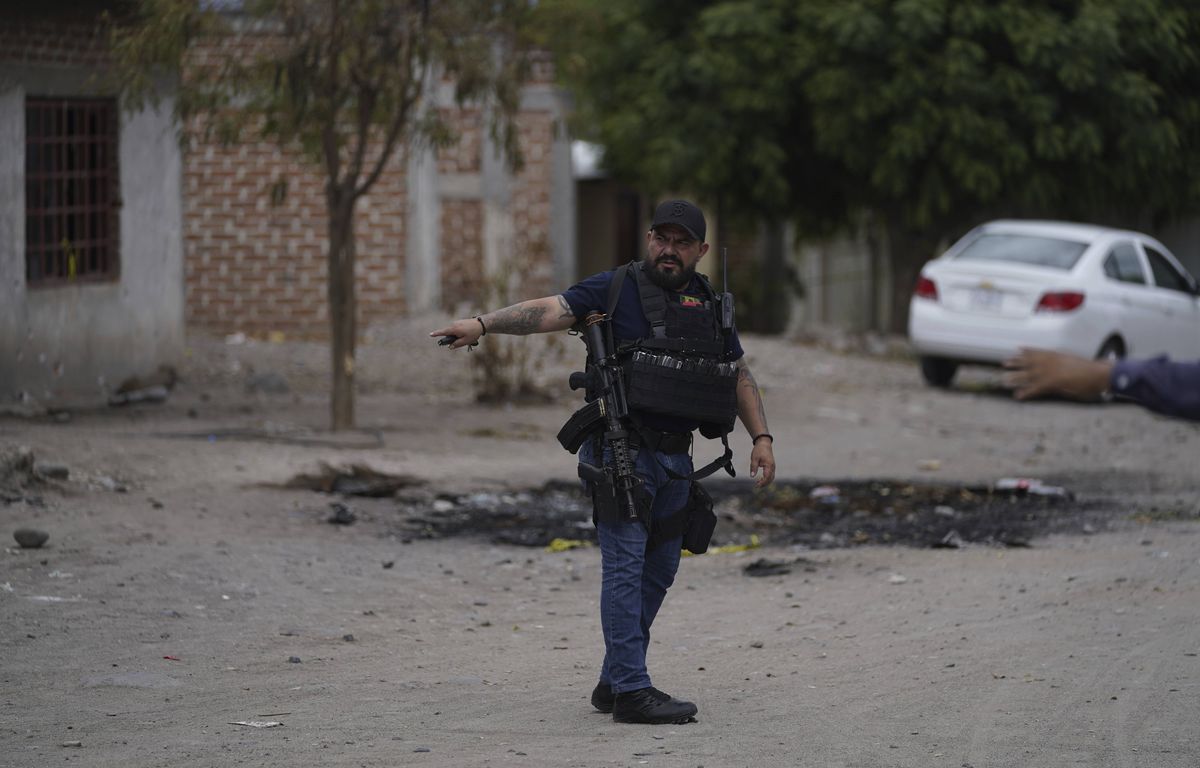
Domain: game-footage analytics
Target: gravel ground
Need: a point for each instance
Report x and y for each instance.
(183, 590)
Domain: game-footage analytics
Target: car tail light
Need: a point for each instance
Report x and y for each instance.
(1060, 301)
(926, 289)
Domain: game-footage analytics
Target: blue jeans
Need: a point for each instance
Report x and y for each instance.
(635, 581)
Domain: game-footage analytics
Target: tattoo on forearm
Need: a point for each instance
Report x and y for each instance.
(566, 308)
(519, 319)
(747, 384)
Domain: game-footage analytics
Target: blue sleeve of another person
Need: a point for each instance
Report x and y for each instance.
(1162, 386)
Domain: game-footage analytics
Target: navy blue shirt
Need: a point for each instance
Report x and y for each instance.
(1162, 386)
(629, 322)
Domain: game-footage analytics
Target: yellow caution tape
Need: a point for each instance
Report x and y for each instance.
(562, 545)
(754, 544)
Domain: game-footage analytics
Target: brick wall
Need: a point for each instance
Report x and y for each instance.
(461, 225)
(256, 262)
(258, 267)
(531, 202)
(532, 189)
(69, 39)
(462, 254)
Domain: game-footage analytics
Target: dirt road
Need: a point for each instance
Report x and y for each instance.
(181, 591)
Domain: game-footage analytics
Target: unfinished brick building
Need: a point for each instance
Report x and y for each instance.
(91, 259)
(112, 239)
(428, 233)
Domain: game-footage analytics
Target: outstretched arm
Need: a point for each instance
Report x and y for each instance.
(754, 419)
(1159, 384)
(1163, 386)
(1040, 372)
(549, 313)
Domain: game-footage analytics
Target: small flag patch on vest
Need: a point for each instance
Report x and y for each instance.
(690, 301)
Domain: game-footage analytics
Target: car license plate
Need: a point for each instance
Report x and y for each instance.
(986, 299)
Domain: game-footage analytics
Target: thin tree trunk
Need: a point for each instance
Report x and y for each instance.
(870, 225)
(343, 307)
(774, 287)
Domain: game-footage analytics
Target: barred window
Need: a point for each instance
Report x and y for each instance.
(71, 198)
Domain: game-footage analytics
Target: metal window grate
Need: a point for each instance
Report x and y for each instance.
(70, 190)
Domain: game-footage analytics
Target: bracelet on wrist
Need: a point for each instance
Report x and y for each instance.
(763, 434)
(481, 325)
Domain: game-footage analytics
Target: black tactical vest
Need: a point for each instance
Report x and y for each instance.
(683, 369)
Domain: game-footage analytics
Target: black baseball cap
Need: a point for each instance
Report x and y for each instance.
(681, 213)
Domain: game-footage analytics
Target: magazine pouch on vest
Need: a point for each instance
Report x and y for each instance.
(681, 370)
(661, 382)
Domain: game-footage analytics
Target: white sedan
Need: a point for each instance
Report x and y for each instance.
(1078, 288)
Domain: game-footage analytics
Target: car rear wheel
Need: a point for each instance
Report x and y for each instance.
(938, 371)
(1112, 350)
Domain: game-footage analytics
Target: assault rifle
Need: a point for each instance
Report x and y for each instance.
(617, 484)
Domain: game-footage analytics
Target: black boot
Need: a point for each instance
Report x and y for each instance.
(602, 697)
(650, 705)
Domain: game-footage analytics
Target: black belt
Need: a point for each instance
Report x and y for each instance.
(664, 442)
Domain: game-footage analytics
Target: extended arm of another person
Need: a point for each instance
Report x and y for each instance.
(1040, 372)
(1169, 388)
(754, 418)
(549, 313)
(1163, 386)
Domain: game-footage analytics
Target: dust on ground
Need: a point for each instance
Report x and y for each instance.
(185, 590)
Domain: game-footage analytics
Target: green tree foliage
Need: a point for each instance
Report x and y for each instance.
(346, 82)
(696, 95)
(930, 113)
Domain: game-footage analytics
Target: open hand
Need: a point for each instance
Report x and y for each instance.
(1040, 372)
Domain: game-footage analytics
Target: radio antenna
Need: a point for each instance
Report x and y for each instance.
(724, 268)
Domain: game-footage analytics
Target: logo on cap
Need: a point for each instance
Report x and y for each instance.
(682, 213)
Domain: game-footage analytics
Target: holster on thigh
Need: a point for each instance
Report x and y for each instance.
(608, 504)
(695, 522)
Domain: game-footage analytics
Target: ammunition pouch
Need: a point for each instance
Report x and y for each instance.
(695, 522)
(684, 387)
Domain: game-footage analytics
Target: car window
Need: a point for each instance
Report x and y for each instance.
(1024, 249)
(1123, 264)
(1165, 274)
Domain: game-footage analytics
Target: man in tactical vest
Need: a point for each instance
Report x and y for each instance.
(664, 361)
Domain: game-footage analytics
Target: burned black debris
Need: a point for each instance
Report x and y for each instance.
(352, 480)
(532, 518)
(816, 515)
(341, 514)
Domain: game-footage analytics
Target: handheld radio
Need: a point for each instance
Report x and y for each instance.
(726, 296)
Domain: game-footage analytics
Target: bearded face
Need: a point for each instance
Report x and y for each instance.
(669, 273)
(671, 257)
